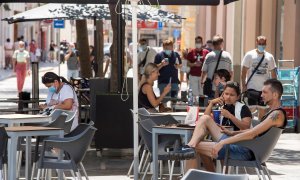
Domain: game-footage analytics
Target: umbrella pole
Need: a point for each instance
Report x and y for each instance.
(135, 86)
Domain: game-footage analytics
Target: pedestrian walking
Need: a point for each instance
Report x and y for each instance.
(72, 62)
(21, 65)
(8, 52)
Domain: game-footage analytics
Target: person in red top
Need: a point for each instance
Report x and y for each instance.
(195, 61)
(32, 49)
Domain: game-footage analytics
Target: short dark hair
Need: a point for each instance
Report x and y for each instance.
(198, 37)
(223, 73)
(217, 40)
(143, 40)
(276, 86)
(234, 85)
(209, 41)
(7, 40)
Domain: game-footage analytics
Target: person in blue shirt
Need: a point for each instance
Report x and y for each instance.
(168, 63)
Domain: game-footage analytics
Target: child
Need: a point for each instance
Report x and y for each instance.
(220, 78)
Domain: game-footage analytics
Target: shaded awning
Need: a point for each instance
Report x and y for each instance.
(90, 11)
(153, 2)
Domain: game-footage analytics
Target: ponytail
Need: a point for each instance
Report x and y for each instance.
(143, 80)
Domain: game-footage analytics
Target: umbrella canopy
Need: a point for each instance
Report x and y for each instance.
(86, 11)
(152, 2)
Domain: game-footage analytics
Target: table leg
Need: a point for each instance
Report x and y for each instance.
(12, 151)
(155, 154)
(28, 157)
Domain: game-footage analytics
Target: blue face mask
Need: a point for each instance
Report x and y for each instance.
(52, 89)
(261, 48)
(168, 52)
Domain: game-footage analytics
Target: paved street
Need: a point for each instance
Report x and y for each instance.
(113, 165)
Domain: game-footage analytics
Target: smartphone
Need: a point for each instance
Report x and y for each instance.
(166, 59)
(170, 80)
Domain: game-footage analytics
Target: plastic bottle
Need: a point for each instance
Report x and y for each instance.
(190, 97)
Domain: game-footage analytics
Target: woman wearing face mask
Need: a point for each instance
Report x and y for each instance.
(21, 65)
(61, 94)
(168, 63)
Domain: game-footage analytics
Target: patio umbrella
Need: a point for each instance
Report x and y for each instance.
(90, 11)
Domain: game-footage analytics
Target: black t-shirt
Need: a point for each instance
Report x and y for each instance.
(168, 71)
(143, 99)
(245, 112)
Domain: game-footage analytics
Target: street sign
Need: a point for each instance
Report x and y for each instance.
(176, 33)
(160, 25)
(59, 24)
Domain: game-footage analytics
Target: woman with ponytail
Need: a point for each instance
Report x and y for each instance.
(61, 94)
(147, 98)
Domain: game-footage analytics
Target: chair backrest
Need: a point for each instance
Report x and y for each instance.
(143, 111)
(55, 114)
(195, 174)
(78, 130)
(145, 130)
(159, 119)
(3, 142)
(80, 144)
(263, 145)
(58, 122)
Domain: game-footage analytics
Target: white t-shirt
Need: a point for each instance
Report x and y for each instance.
(251, 60)
(21, 56)
(66, 92)
(9, 46)
(150, 57)
(211, 60)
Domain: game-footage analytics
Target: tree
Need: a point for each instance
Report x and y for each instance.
(113, 50)
(83, 47)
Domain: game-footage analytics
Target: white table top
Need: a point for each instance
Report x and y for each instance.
(21, 116)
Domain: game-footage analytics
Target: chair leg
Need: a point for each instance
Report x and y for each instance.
(142, 160)
(267, 171)
(78, 175)
(145, 164)
(258, 173)
(236, 170)
(145, 173)
(130, 168)
(73, 174)
(5, 171)
(182, 167)
(160, 168)
(33, 170)
(38, 174)
(171, 172)
(43, 173)
(245, 170)
(84, 171)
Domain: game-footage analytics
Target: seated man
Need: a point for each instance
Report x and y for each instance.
(276, 117)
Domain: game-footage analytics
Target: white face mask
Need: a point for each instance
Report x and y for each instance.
(198, 45)
(21, 49)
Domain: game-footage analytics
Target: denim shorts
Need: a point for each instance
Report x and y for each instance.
(236, 152)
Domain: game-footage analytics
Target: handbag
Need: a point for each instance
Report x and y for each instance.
(207, 86)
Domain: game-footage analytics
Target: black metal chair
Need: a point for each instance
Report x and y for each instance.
(261, 147)
(74, 147)
(165, 141)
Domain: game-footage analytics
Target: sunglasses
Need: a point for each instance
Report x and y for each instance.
(236, 84)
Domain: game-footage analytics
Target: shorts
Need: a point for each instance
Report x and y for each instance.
(236, 152)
